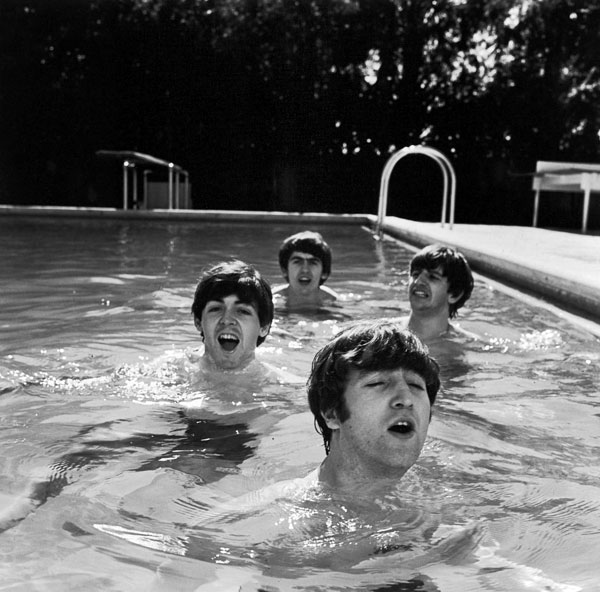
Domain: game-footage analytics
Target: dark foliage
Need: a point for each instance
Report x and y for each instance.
(297, 104)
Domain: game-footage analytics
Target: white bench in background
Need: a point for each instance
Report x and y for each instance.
(566, 177)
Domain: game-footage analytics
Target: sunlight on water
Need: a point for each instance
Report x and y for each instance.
(123, 471)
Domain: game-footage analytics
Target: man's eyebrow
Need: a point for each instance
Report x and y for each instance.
(245, 302)
(434, 270)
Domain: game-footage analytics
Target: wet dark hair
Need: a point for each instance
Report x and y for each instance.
(454, 267)
(241, 279)
(305, 242)
(366, 347)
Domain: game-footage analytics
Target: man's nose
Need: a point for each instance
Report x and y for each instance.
(227, 316)
(402, 396)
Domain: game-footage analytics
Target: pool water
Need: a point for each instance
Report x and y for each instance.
(118, 473)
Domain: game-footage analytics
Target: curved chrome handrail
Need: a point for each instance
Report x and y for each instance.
(444, 165)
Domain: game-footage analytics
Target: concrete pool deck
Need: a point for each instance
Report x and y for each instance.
(562, 267)
(559, 266)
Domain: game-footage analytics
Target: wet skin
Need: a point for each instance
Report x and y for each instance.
(304, 274)
(389, 414)
(231, 329)
(428, 291)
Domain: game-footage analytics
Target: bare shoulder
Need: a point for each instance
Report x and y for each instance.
(456, 330)
(402, 322)
(328, 294)
(280, 375)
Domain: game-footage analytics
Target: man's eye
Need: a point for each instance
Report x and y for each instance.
(417, 385)
(374, 383)
(245, 311)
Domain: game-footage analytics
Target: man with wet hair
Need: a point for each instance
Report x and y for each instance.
(371, 391)
(440, 282)
(233, 310)
(305, 262)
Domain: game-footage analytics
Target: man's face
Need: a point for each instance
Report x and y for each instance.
(428, 291)
(389, 413)
(304, 272)
(231, 329)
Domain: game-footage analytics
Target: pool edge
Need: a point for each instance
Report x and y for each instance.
(186, 215)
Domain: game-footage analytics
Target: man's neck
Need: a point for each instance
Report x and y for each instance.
(350, 481)
(311, 299)
(210, 366)
(428, 328)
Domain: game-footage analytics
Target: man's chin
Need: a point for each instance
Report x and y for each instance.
(418, 303)
(232, 361)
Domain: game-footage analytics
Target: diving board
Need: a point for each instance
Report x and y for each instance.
(131, 160)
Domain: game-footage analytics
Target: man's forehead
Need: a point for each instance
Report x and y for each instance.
(439, 269)
(359, 372)
(303, 255)
(232, 298)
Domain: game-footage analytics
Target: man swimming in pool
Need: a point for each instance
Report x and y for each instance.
(305, 262)
(440, 282)
(233, 310)
(371, 391)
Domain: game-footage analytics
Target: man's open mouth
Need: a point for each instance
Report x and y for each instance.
(228, 341)
(403, 427)
(304, 280)
(420, 293)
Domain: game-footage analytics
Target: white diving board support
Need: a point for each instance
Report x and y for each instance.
(448, 174)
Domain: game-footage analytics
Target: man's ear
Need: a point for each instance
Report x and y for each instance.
(284, 273)
(198, 326)
(452, 298)
(324, 277)
(331, 419)
(264, 331)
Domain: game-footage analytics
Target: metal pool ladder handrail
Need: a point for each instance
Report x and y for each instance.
(446, 169)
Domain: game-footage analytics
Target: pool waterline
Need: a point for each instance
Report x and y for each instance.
(559, 267)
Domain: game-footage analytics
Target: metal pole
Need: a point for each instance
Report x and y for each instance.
(170, 186)
(125, 173)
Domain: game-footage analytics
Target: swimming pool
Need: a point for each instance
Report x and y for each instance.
(103, 486)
